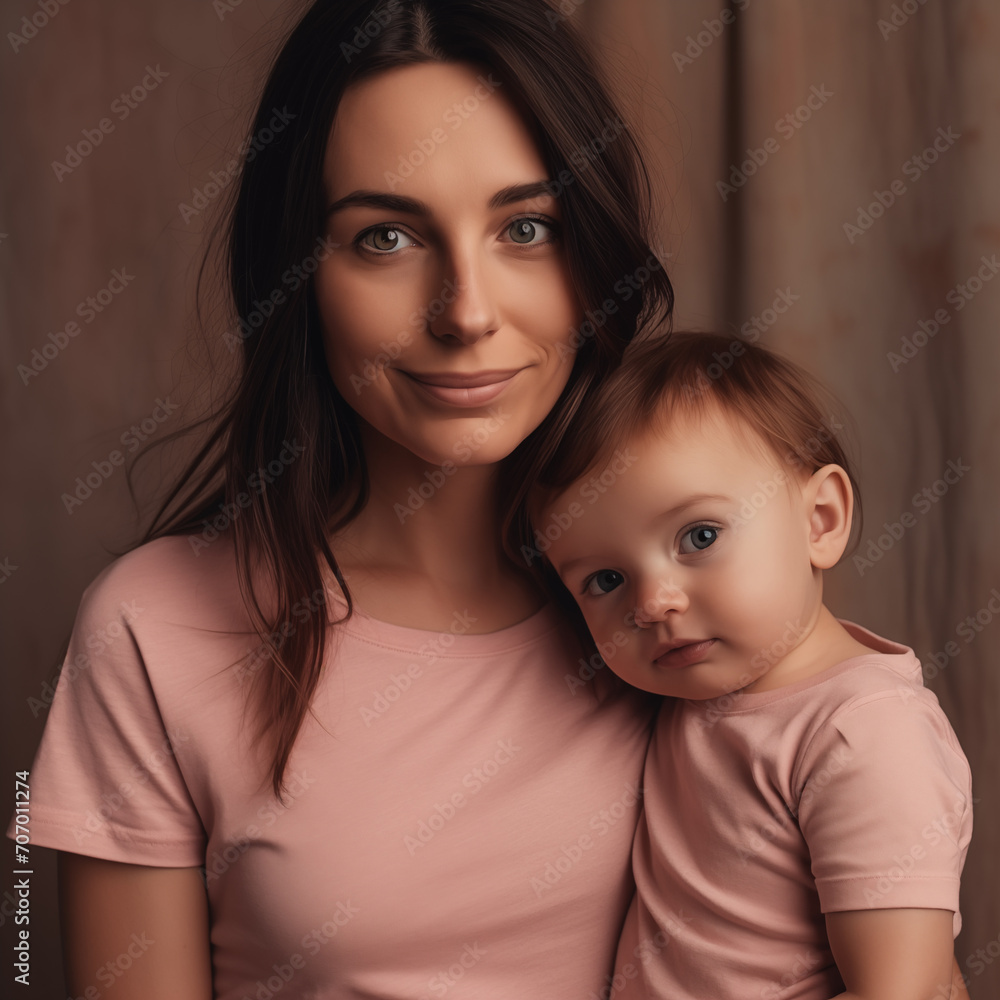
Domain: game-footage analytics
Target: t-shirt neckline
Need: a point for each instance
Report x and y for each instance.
(457, 641)
(879, 647)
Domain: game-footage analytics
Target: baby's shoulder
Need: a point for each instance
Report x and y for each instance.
(876, 679)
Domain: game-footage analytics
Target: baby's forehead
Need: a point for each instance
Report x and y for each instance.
(708, 424)
(727, 446)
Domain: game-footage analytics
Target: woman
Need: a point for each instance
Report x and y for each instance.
(321, 735)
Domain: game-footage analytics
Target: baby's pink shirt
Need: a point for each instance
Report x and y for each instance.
(764, 811)
(458, 820)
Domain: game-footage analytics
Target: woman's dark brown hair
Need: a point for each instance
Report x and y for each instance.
(284, 394)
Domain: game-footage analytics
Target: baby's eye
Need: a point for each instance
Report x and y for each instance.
(603, 582)
(699, 538)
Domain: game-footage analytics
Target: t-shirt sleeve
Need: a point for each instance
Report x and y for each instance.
(886, 805)
(106, 781)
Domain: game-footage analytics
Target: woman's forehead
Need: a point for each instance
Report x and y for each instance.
(417, 130)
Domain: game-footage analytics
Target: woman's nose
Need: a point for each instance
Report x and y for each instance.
(657, 599)
(465, 308)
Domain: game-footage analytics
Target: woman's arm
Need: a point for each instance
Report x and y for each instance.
(143, 930)
(894, 954)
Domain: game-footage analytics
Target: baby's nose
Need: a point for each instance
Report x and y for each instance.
(658, 600)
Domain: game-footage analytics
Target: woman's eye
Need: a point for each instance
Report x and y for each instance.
(603, 582)
(699, 538)
(526, 230)
(384, 239)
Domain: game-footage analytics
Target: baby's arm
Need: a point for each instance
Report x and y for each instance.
(903, 954)
(888, 883)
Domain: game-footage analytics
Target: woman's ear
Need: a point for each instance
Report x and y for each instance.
(829, 501)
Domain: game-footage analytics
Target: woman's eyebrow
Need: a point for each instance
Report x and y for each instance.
(412, 206)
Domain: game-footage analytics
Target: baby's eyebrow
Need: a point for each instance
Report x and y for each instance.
(694, 501)
(564, 567)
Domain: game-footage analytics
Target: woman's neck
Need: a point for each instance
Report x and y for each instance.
(426, 547)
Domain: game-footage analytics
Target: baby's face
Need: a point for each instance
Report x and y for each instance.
(690, 558)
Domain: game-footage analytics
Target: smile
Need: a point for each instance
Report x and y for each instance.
(683, 653)
(456, 389)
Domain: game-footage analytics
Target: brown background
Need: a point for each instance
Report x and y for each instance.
(704, 94)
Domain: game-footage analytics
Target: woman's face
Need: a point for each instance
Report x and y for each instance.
(445, 298)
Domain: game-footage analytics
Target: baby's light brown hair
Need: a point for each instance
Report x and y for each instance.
(769, 398)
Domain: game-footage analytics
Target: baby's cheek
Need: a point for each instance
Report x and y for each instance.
(594, 622)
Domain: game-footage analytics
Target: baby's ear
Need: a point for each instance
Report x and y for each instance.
(829, 501)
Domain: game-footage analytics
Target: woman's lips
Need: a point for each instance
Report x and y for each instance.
(473, 389)
(684, 655)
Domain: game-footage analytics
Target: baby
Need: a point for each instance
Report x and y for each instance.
(807, 804)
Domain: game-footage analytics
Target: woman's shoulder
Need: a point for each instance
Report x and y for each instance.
(169, 577)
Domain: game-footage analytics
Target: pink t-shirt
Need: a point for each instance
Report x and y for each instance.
(763, 811)
(458, 819)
